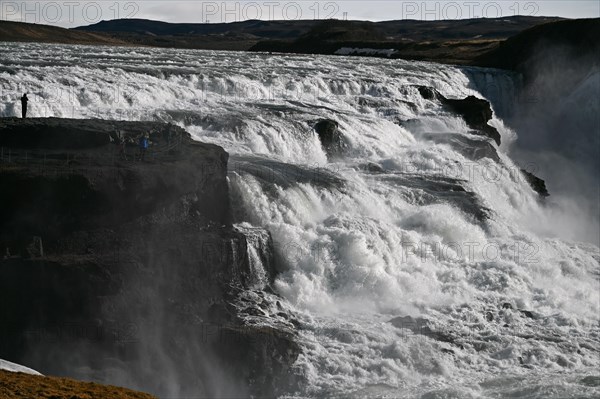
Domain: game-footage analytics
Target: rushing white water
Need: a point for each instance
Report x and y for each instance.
(404, 223)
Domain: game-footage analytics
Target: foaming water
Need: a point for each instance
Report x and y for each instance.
(407, 221)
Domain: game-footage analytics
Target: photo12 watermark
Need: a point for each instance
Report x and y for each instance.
(75, 13)
(67, 13)
(230, 11)
(471, 252)
(454, 10)
(71, 14)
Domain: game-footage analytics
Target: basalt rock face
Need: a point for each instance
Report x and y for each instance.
(476, 112)
(331, 138)
(473, 149)
(124, 271)
(538, 185)
(428, 93)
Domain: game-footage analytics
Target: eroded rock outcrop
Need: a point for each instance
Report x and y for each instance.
(538, 185)
(473, 149)
(140, 263)
(330, 136)
(476, 112)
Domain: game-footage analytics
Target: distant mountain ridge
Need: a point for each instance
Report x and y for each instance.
(258, 28)
(493, 42)
(24, 32)
(416, 30)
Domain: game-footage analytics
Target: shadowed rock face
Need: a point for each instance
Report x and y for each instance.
(473, 149)
(428, 93)
(330, 136)
(140, 264)
(578, 38)
(434, 190)
(476, 112)
(538, 185)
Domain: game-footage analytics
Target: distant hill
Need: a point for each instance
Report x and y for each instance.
(462, 29)
(453, 42)
(24, 32)
(326, 36)
(480, 28)
(256, 28)
(499, 42)
(20, 385)
(478, 42)
(575, 39)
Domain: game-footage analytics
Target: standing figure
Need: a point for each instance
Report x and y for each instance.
(121, 144)
(143, 143)
(24, 100)
(122, 149)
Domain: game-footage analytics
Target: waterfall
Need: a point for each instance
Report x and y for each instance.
(417, 218)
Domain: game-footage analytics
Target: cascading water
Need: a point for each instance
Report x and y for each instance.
(406, 224)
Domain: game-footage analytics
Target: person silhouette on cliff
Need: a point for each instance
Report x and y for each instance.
(143, 143)
(24, 100)
(121, 144)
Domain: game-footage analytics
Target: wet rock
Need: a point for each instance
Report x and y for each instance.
(435, 190)
(591, 381)
(419, 326)
(470, 148)
(476, 112)
(538, 185)
(489, 316)
(428, 93)
(411, 323)
(372, 168)
(527, 313)
(506, 305)
(330, 136)
(327, 130)
(254, 311)
(249, 351)
(270, 173)
(283, 315)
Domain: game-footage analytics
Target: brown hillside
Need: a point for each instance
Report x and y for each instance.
(26, 386)
(24, 32)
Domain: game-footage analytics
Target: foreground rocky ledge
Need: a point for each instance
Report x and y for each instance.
(20, 385)
(126, 271)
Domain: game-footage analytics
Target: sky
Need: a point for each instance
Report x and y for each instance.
(70, 13)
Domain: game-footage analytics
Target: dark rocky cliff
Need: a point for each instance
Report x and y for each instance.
(547, 43)
(125, 271)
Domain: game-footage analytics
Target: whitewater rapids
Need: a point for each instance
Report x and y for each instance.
(403, 223)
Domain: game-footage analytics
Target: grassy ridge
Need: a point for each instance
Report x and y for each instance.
(23, 32)
(20, 386)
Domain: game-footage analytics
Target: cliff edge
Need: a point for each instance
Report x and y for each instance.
(126, 271)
